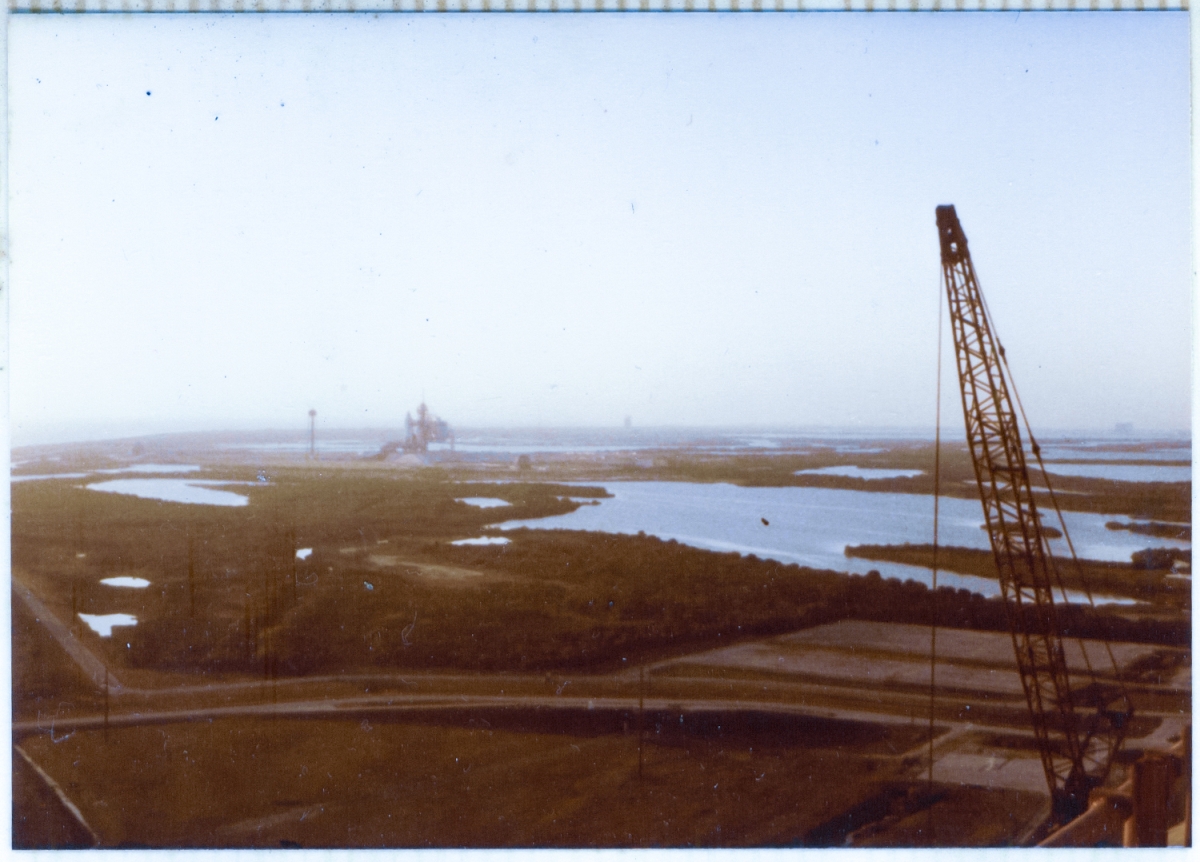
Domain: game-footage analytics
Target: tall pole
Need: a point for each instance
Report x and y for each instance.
(641, 715)
(312, 433)
(292, 551)
(191, 551)
(106, 703)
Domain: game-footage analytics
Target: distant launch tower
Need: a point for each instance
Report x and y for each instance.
(418, 434)
(425, 429)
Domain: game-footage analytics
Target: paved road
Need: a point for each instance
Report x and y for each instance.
(309, 697)
(384, 704)
(80, 654)
(956, 758)
(412, 693)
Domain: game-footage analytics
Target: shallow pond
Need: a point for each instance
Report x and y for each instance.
(813, 526)
(41, 476)
(861, 472)
(483, 540)
(153, 468)
(103, 624)
(350, 447)
(176, 490)
(484, 502)
(535, 448)
(135, 468)
(125, 581)
(1122, 472)
(1110, 452)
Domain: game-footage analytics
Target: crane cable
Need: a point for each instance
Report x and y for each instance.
(937, 458)
(1079, 573)
(1093, 676)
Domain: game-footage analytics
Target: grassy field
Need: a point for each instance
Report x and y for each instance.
(384, 588)
(380, 784)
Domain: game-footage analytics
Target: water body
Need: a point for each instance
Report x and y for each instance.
(483, 540)
(125, 581)
(599, 442)
(532, 448)
(1091, 453)
(713, 444)
(154, 468)
(1122, 472)
(303, 553)
(176, 490)
(103, 624)
(761, 443)
(42, 476)
(813, 526)
(861, 472)
(135, 468)
(484, 502)
(354, 447)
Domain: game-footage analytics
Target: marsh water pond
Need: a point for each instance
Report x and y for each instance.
(176, 490)
(1122, 472)
(103, 624)
(808, 526)
(813, 526)
(861, 472)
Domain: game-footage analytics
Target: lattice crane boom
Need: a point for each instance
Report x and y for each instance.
(1076, 751)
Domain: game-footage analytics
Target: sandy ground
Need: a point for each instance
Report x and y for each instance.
(897, 656)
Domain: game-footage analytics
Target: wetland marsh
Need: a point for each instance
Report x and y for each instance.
(507, 613)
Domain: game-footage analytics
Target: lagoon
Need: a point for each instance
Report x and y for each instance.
(38, 477)
(135, 468)
(1110, 452)
(1121, 472)
(813, 526)
(861, 472)
(153, 468)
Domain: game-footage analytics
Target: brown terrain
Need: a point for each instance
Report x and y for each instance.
(564, 690)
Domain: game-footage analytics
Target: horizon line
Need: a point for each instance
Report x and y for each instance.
(881, 431)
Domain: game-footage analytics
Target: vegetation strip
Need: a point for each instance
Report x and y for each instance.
(1146, 582)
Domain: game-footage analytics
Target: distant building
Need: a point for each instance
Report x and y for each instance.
(418, 434)
(425, 429)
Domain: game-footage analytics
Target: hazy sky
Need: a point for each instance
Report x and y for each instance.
(222, 221)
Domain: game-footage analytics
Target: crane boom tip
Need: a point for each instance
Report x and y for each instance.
(950, 232)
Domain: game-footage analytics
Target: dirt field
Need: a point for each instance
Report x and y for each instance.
(825, 759)
(383, 784)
